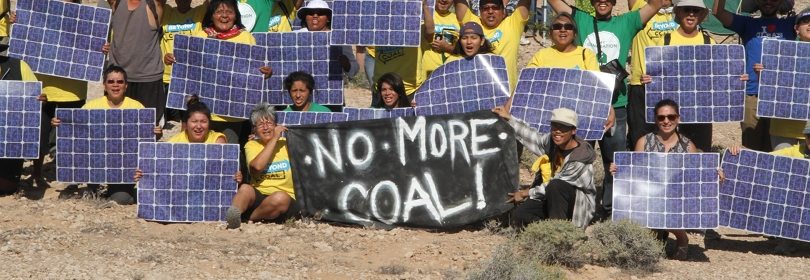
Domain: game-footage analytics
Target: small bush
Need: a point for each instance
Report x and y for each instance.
(392, 269)
(625, 245)
(505, 263)
(553, 242)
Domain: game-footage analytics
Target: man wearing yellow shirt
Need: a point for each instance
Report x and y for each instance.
(663, 22)
(504, 33)
(16, 70)
(441, 35)
(270, 195)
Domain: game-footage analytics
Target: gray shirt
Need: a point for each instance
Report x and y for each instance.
(135, 44)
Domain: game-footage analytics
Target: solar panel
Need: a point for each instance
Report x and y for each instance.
(60, 39)
(666, 190)
(225, 75)
(377, 22)
(20, 118)
(359, 114)
(703, 79)
(541, 90)
(464, 85)
(101, 145)
(784, 84)
(303, 51)
(185, 182)
(304, 118)
(766, 194)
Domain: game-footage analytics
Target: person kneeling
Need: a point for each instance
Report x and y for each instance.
(270, 195)
(570, 194)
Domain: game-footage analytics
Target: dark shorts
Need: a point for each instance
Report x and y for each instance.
(294, 211)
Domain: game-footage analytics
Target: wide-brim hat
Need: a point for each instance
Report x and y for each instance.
(314, 5)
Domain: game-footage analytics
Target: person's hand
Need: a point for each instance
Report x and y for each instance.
(55, 122)
(42, 98)
(611, 119)
(168, 59)
(613, 169)
(439, 44)
(721, 175)
(413, 103)
(518, 196)
(12, 17)
(646, 79)
(758, 67)
(105, 48)
(138, 174)
(744, 77)
(157, 130)
(502, 112)
(735, 150)
(267, 71)
(238, 177)
(278, 130)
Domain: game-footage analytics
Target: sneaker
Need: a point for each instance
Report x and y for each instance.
(524, 41)
(233, 217)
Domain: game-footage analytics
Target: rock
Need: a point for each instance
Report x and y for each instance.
(409, 255)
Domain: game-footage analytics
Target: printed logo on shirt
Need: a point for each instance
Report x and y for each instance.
(181, 27)
(275, 21)
(770, 32)
(659, 29)
(496, 37)
(386, 54)
(611, 47)
(277, 170)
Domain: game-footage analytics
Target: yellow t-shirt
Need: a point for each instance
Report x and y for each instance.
(651, 35)
(244, 37)
(278, 176)
(676, 39)
(787, 128)
(26, 73)
(552, 58)
(175, 23)
(279, 21)
(59, 89)
(403, 61)
(101, 103)
(794, 151)
(183, 138)
(447, 27)
(4, 24)
(505, 40)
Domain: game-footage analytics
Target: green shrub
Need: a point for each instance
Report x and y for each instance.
(505, 263)
(553, 242)
(623, 244)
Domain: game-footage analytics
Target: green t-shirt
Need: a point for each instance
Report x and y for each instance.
(259, 16)
(313, 107)
(616, 37)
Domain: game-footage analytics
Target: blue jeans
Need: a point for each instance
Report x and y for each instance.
(368, 67)
(610, 143)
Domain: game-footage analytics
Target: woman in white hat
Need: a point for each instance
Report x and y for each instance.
(317, 16)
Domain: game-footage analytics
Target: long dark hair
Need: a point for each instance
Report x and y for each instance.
(667, 102)
(194, 105)
(486, 48)
(395, 81)
(208, 20)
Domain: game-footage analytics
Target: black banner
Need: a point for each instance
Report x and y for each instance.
(430, 172)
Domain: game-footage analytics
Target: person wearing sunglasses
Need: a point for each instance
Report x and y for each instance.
(571, 193)
(317, 16)
(752, 30)
(503, 32)
(115, 88)
(564, 53)
(270, 196)
(666, 139)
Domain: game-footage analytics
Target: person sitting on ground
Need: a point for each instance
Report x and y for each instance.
(300, 86)
(196, 120)
(270, 195)
(115, 89)
(317, 16)
(391, 92)
(16, 70)
(571, 193)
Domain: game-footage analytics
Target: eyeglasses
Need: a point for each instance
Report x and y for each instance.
(491, 7)
(671, 117)
(562, 26)
(120, 82)
(266, 124)
(561, 128)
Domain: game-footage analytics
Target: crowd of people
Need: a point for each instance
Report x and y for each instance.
(140, 62)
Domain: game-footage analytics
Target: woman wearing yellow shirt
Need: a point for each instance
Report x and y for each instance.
(270, 194)
(196, 121)
(16, 70)
(564, 53)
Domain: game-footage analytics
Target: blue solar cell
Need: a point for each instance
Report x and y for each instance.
(186, 182)
(101, 145)
(20, 113)
(226, 87)
(305, 118)
(541, 90)
(47, 26)
(359, 114)
(303, 51)
(376, 23)
(765, 193)
(667, 190)
(703, 79)
(784, 84)
(463, 86)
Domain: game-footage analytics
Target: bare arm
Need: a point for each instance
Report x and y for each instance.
(265, 157)
(640, 144)
(649, 10)
(461, 9)
(560, 6)
(112, 4)
(298, 4)
(159, 9)
(724, 16)
(429, 28)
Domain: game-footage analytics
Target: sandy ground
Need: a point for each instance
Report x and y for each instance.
(45, 237)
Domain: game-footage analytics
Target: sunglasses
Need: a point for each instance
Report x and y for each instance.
(691, 10)
(120, 82)
(561, 26)
(318, 12)
(671, 117)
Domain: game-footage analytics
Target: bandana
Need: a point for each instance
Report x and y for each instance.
(233, 32)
